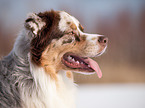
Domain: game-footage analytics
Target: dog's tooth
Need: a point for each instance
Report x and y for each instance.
(77, 62)
(73, 59)
(69, 57)
(89, 66)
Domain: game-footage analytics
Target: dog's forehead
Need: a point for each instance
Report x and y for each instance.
(65, 19)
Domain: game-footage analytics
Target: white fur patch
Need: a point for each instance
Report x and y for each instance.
(47, 94)
(89, 37)
(64, 18)
(38, 24)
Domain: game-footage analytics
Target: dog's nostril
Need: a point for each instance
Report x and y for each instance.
(103, 39)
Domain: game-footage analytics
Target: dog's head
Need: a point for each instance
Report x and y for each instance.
(59, 43)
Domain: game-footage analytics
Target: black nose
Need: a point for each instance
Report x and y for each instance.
(103, 40)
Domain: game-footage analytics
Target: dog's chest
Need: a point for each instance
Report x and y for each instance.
(63, 94)
(50, 94)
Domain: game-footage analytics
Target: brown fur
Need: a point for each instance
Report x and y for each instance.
(45, 36)
(81, 27)
(73, 26)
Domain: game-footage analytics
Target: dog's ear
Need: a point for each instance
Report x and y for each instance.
(34, 23)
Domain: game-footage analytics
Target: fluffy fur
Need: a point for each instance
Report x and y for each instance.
(33, 74)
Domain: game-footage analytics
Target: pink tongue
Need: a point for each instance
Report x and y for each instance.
(94, 65)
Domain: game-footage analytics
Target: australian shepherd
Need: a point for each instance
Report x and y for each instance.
(37, 73)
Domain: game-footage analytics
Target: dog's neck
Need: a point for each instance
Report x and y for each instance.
(48, 92)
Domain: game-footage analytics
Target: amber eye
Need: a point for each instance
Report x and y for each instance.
(68, 39)
(71, 33)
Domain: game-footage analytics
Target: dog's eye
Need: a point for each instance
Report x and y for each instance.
(77, 38)
(71, 33)
(67, 41)
(75, 35)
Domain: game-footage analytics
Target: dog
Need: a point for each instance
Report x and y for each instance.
(37, 73)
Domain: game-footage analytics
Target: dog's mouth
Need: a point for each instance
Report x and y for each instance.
(83, 64)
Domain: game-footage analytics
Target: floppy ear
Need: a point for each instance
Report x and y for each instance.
(34, 23)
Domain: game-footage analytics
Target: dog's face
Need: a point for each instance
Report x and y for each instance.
(59, 43)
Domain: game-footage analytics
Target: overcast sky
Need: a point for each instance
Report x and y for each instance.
(13, 12)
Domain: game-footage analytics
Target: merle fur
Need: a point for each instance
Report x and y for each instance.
(15, 68)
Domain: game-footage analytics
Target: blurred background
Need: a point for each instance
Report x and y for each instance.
(123, 64)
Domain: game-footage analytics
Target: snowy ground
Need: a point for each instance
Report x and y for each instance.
(111, 96)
